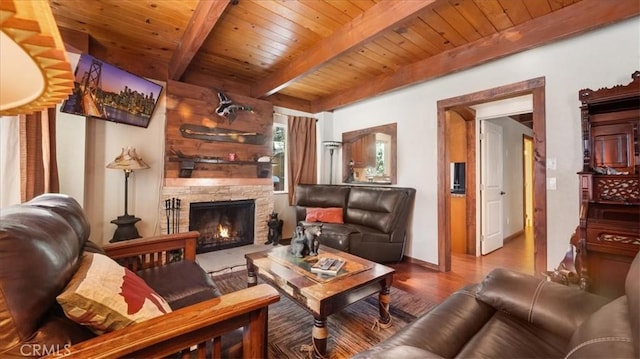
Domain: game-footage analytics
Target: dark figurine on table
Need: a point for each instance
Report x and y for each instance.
(305, 240)
(275, 229)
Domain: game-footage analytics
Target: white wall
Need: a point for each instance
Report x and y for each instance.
(71, 152)
(9, 160)
(71, 159)
(597, 59)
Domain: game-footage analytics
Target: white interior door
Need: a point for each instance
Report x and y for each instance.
(491, 186)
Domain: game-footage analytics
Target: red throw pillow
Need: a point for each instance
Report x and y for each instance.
(325, 215)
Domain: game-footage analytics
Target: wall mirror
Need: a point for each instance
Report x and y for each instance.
(369, 155)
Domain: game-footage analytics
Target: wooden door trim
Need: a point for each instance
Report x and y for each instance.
(525, 138)
(535, 87)
(471, 183)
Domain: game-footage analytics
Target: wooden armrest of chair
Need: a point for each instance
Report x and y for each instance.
(187, 327)
(154, 251)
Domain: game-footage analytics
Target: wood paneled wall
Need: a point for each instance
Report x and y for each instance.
(195, 105)
(457, 152)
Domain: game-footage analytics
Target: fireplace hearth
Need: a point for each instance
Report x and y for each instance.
(222, 224)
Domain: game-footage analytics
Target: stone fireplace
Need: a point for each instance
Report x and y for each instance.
(211, 191)
(222, 224)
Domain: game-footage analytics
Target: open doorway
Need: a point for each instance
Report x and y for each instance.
(462, 105)
(502, 169)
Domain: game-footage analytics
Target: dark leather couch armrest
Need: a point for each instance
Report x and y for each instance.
(443, 331)
(551, 306)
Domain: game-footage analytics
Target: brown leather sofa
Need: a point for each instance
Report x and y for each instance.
(41, 243)
(512, 315)
(375, 218)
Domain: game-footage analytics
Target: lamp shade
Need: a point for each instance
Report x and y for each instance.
(128, 160)
(34, 70)
(332, 144)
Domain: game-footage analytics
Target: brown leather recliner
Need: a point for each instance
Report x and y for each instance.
(513, 315)
(375, 218)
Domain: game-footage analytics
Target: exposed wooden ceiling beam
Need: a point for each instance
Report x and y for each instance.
(581, 17)
(289, 102)
(205, 17)
(363, 28)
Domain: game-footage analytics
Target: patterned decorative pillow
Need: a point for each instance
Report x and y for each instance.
(105, 296)
(325, 215)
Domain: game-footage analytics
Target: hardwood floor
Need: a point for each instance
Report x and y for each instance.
(517, 254)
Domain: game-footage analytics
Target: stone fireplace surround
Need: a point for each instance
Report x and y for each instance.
(194, 190)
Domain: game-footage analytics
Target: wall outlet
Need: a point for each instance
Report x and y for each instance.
(552, 163)
(551, 183)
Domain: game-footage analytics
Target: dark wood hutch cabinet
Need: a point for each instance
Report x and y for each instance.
(608, 236)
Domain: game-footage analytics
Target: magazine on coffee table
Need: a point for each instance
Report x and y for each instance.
(327, 265)
(303, 266)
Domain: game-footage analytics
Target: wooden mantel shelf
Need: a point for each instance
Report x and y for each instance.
(213, 182)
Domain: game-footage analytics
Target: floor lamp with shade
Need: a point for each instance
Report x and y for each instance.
(128, 161)
(331, 145)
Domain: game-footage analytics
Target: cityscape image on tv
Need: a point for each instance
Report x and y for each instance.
(105, 91)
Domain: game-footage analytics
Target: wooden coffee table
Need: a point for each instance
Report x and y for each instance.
(322, 295)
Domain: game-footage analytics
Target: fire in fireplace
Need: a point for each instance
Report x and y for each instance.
(222, 225)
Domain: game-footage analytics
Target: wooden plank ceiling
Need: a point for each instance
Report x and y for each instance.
(319, 55)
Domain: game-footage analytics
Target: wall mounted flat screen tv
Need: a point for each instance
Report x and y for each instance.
(109, 93)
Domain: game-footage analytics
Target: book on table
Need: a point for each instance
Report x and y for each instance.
(327, 265)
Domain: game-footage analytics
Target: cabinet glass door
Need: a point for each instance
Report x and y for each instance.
(612, 146)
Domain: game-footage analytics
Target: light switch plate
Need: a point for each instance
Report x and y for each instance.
(552, 164)
(551, 183)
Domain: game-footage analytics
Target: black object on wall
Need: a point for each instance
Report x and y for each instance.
(458, 178)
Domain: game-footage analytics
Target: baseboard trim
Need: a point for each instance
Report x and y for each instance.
(419, 262)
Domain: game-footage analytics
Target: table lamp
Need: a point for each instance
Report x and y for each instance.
(128, 161)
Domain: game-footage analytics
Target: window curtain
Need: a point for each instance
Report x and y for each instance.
(301, 149)
(38, 166)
